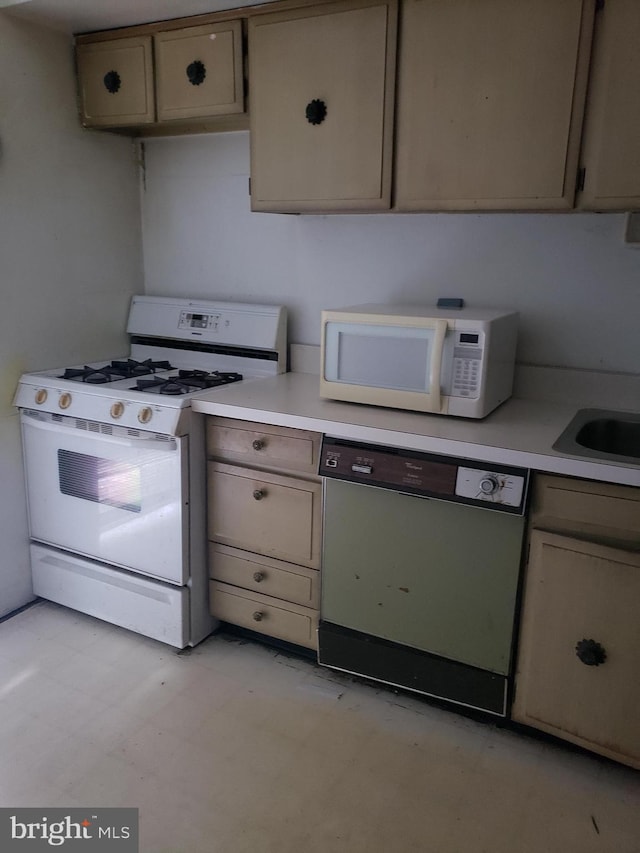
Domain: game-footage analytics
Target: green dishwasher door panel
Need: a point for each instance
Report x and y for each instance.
(437, 576)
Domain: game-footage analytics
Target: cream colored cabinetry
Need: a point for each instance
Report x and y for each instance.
(199, 71)
(321, 82)
(579, 652)
(490, 103)
(611, 147)
(116, 82)
(264, 528)
(164, 76)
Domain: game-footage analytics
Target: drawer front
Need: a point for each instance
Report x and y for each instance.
(262, 444)
(272, 515)
(264, 575)
(595, 509)
(581, 593)
(267, 615)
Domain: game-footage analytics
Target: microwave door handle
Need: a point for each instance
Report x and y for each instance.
(436, 364)
(137, 443)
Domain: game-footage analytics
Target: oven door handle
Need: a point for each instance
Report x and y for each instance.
(142, 443)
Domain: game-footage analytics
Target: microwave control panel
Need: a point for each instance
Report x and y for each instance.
(468, 350)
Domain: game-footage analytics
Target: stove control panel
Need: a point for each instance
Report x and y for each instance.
(189, 320)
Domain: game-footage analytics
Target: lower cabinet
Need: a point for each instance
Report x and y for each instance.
(579, 654)
(264, 529)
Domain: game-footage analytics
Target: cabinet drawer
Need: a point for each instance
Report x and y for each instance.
(266, 513)
(599, 510)
(199, 71)
(269, 616)
(263, 444)
(264, 575)
(579, 591)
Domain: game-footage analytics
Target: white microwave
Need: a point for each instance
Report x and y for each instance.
(422, 358)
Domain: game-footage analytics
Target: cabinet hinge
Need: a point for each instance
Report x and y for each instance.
(580, 179)
(599, 5)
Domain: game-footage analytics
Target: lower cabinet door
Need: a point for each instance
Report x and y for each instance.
(579, 656)
(269, 616)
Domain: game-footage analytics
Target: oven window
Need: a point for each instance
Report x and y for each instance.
(104, 481)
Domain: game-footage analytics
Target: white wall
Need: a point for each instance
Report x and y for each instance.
(575, 282)
(70, 254)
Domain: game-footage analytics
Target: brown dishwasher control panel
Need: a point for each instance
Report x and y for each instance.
(425, 474)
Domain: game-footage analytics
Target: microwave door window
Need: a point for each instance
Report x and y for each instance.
(383, 357)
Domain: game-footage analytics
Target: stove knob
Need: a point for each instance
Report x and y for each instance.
(144, 415)
(41, 396)
(489, 484)
(117, 410)
(65, 400)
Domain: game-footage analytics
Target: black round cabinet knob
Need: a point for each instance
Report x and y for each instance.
(112, 82)
(316, 111)
(590, 652)
(196, 72)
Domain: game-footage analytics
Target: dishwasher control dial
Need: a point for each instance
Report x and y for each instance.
(496, 487)
(489, 484)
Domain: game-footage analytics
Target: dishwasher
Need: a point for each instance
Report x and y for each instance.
(420, 570)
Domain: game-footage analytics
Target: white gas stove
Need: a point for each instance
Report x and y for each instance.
(115, 463)
(179, 348)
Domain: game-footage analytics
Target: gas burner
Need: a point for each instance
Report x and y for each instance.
(130, 368)
(186, 382)
(124, 369)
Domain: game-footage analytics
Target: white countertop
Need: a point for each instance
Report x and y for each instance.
(520, 432)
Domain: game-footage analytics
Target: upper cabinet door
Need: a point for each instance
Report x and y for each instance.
(611, 152)
(116, 82)
(321, 84)
(199, 71)
(490, 103)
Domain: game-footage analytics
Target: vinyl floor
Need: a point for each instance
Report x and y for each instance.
(234, 747)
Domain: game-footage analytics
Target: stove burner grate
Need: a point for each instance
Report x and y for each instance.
(117, 369)
(186, 381)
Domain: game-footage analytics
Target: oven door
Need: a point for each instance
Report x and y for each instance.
(120, 497)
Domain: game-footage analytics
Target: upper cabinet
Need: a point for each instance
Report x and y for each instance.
(199, 71)
(490, 103)
(611, 149)
(499, 104)
(321, 83)
(166, 75)
(116, 82)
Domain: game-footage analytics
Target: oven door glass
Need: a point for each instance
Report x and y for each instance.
(120, 498)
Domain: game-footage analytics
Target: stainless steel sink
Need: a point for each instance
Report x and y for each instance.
(602, 434)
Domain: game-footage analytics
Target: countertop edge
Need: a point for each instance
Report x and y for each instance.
(519, 433)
